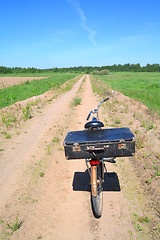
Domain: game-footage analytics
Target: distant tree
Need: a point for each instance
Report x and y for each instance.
(87, 69)
(102, 72)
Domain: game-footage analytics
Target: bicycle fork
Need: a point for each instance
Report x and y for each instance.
(94, 189)
(93, 175)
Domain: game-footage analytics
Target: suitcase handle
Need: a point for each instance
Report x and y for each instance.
(93, 148)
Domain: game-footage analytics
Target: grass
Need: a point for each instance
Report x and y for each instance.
(39, 237)
(156, 168)
(132, 185)
(117, 121)
(38, 170)
(141, 86)
(26, 113)
(28, 89)
(41, 174)
(12, 117)
(76, 101)
(12, 227)
(48, 150)
(15, 226)
(149, 181)
(56, 140)
(140, 219)
(140, 140)
(7, 135)
(138, 228)
(8, 119)
(147, 125)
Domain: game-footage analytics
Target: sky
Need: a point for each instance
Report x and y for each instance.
(68, 33)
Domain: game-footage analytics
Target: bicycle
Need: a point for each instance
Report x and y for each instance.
(97, 145)
(97, 167)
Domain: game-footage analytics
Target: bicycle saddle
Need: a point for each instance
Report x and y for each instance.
(94, 124)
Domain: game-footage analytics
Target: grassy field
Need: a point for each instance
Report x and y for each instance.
(28, 89)
(143, 86)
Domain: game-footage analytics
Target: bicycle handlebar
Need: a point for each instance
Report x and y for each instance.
(102, 102)
(96, 110)
(106, 99)
(89, 115)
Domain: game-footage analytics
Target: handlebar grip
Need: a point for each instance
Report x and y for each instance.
(105, 99)
(88, 116)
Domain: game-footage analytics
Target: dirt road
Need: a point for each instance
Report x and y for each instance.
(50, 194)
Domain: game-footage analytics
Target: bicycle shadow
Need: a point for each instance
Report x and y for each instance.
(81, 182)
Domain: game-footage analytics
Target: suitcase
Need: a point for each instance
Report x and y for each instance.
(104, 143)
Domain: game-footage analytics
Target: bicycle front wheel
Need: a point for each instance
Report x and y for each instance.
(97, 201)
(97, 204)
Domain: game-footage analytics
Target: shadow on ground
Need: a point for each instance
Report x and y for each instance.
(81, 182)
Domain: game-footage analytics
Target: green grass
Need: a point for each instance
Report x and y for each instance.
(10, 228)
(26, 90)
(15, 226)
(41, 174)
(143, 86)
(76, 101)
(56, 140)
(8, 119)
(26, 113)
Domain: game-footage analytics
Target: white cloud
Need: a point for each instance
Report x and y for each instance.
(91, 33)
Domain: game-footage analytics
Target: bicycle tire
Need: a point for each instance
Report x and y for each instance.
(97, 204)
(97, 201)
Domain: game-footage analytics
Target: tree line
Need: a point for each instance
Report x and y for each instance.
(87, 69)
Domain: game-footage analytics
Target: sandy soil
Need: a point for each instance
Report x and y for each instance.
(56, 205)
(10, 81)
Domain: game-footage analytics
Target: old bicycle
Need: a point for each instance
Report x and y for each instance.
(97, 145)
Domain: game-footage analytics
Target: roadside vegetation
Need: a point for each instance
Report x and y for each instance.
(28, 89)
(76, 101)
(140, 86)
(102, 72)
(139, 175)
(10, 228)
(12, 117)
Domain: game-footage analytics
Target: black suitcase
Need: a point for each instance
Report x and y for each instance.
(116, 142)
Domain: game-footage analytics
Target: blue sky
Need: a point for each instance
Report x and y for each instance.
(67, 33)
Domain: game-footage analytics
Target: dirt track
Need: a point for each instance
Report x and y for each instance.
(57, 205)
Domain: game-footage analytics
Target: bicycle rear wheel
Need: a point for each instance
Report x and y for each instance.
(97, 201)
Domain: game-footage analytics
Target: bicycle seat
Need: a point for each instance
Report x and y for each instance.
(94, 124)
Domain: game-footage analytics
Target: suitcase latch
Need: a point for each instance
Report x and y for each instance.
(122, 146)
(76, 147)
